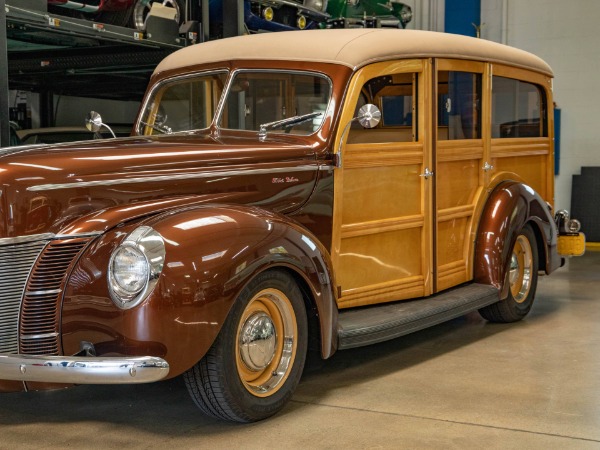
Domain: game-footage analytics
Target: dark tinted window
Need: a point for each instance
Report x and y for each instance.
(518, 109)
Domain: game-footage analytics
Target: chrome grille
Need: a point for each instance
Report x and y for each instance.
(16, 262)
(40, 314)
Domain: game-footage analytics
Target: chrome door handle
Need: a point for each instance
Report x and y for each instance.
(428, 174)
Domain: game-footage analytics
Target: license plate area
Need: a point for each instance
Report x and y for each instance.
(571, 244)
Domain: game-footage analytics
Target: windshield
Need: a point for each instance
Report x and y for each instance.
(257, 98)
(182, 105)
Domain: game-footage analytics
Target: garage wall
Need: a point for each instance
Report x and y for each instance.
(566, 35)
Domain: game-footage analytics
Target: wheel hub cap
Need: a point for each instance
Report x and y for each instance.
(258, 341)
(521, 269)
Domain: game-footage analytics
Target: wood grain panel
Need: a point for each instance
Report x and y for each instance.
(379, 258)
(377, 193)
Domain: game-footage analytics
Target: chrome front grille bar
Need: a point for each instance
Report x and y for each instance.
(17, 258)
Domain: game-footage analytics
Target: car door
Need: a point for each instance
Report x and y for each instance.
(381, 246)
(461, 166)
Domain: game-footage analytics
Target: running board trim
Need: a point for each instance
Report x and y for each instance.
(372, 324)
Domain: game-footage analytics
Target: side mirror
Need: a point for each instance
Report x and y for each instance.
(368, 116)
(93, 122)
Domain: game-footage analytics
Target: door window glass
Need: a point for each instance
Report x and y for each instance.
(459, 105)
(395, 96)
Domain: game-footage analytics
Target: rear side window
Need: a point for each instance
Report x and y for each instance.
(459, 105)
(518, 109)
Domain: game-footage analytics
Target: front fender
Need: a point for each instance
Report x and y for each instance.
(212, 252)
(509, 207)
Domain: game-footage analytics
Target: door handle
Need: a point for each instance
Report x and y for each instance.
(428, 174)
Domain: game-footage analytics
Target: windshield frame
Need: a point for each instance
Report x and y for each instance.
(139, 126)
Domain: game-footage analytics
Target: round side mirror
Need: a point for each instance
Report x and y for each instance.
(369, 115)
(93, 121)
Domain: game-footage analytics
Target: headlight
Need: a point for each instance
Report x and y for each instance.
(135, 266)
(130, 270)
(406, 14)
(319, 5)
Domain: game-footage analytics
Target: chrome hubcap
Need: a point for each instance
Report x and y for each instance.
(266, 342)
(258, 341)
(521, 269)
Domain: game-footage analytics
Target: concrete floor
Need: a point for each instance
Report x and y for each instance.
(463, 384)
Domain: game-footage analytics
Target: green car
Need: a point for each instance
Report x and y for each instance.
(368, 14)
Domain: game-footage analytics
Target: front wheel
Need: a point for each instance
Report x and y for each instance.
(255, 364)
(521, 277)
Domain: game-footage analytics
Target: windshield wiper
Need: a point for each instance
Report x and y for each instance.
(286, 123)
(160, 128)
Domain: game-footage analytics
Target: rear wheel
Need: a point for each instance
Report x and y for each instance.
(255, 364)
(521, 277)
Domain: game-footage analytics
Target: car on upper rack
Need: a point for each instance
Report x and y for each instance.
(259, 15)
(279, 196)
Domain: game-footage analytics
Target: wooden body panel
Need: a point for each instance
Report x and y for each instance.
(382, 249)
(397, 235)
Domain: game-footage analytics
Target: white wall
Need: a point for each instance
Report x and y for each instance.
(565, 34)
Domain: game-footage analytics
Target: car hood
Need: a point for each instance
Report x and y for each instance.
(46, 187)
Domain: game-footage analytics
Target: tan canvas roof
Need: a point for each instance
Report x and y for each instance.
(351, 47)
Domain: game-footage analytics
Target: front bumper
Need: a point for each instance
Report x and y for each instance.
(82, 369)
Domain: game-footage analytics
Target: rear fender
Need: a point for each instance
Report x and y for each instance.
(509, 207)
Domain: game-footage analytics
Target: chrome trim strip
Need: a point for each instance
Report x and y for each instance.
(48, 292)
(185, 176)
(83, 370)
(45, 237)
(28, 337)
(24, 239)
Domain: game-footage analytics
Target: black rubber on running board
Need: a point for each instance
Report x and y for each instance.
(372, 324)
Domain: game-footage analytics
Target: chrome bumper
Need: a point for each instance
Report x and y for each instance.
(82, 369)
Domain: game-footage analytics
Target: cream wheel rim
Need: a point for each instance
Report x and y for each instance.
(266, 342)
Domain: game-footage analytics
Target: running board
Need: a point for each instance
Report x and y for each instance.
(372, 324)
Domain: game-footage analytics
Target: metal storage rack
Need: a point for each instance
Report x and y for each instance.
(54, 54)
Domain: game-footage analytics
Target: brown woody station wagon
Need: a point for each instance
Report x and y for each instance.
(326, 189)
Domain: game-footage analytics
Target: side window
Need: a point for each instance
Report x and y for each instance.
(459, 105)
(518, 109)
(395, 96)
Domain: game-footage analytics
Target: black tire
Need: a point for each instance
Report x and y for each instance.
(522, 278)
(141, 9)
(235, 381)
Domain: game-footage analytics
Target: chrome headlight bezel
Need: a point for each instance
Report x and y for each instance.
(318, 5)
(149, 245)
